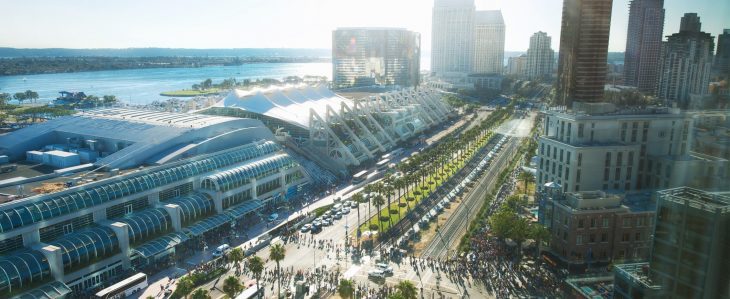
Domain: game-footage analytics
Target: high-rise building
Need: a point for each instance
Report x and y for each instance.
(644, 44)
(375, 56)
(583, 53)
(452, 36)
(690, 251)
(722, 57)
(488, 42)
(624, 151)
(540, 56)
(517, 66)
(687, 58)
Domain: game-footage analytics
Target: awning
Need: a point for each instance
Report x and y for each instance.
(52, 290)
(244, 209)
(208, 224)
(161, 244)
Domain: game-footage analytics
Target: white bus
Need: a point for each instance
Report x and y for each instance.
(252, 293)
(124, 288)
(359, 177)
(382, 165)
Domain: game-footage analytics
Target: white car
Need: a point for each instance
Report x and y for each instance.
(305, 228)
(338, 215)
(376, 273)
(345, 210)
(385, 268)
(221, 250)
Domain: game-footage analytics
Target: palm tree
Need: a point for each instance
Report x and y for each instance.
(256, 264)
(379, 201)
(407, 289)
(277, 253)
(526, 178)
(346, 288)
(357, 197)
(236, 256)
(185, 285)
(200, 294)
(231, 286)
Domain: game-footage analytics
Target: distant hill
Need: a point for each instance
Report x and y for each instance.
(162, 52)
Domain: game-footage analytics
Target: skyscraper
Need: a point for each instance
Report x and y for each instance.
(540, 56)
(686, 62)
(584, 34)
(722, 58)
(375, 56)
(644, 44)
(690, 252)
(452, 36)
(488, 42)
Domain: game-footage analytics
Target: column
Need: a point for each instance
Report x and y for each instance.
(55, 259)
(122, 232)
(174, 211)
(253, 189)
(99, 215)
(154, 198)
(31, 237)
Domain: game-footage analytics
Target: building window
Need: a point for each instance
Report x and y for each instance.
(631, 157)
(580, 130)
(619, 159)
(605, 174)
(567, 171)
(592, 238)
(128, 209)
(580, 223)
(627, 186)
(627, 222)
(628, 173)
(577, 176)
(604, 238)
(578, 239)
(617, 174)
(561, 155)
(608, 159)
(68, 228)
(640, 222)
(625, 237)
(638, 237)
(580, 159)
(605, 222)
(577, 187)
(593, 222)
(567, 159)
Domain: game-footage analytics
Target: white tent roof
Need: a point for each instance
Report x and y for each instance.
(289, 104)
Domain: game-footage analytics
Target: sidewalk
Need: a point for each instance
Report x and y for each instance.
(163, 278)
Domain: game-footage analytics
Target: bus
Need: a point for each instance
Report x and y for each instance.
(359, 177)
(124, 288)
(252, 293)
(382, 165)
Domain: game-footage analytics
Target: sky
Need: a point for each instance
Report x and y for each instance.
(286, 23)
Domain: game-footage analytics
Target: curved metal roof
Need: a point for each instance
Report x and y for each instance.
(291, 104)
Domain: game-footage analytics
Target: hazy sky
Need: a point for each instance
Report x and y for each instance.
(284, 23)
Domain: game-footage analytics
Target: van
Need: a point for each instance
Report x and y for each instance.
(221, 250)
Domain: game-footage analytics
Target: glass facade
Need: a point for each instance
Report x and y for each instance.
(52, 290)
(194, 206)
(146, 224)
(207, 224)
(62, 203)
(22, 269)
(239, 176)
(79, 249)
(161, 244)
(375, 56)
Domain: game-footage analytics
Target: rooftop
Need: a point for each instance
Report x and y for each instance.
(592, 286)
(488, 17)
(637, 273)
(695, 198)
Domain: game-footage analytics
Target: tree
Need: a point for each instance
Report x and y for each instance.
(200, 294)
(256, 265)
(277, 253)
(346, 288)
(236, 255)
(20, 97)
(196, 86)
(185, 285)
(407, 290)
(232, 286)
(539, 233)
(109, 100)
(526, 179)
(206, 84)
(4, 98)
(501, 221)
(31, 95)
(379, 201)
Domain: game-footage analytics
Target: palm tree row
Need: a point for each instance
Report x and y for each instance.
(425, 169)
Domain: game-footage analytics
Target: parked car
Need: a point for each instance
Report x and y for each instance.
(221, 250)
(385, 268)
(345, 210)
(338, 215)
(375, 273)
(305, 228)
